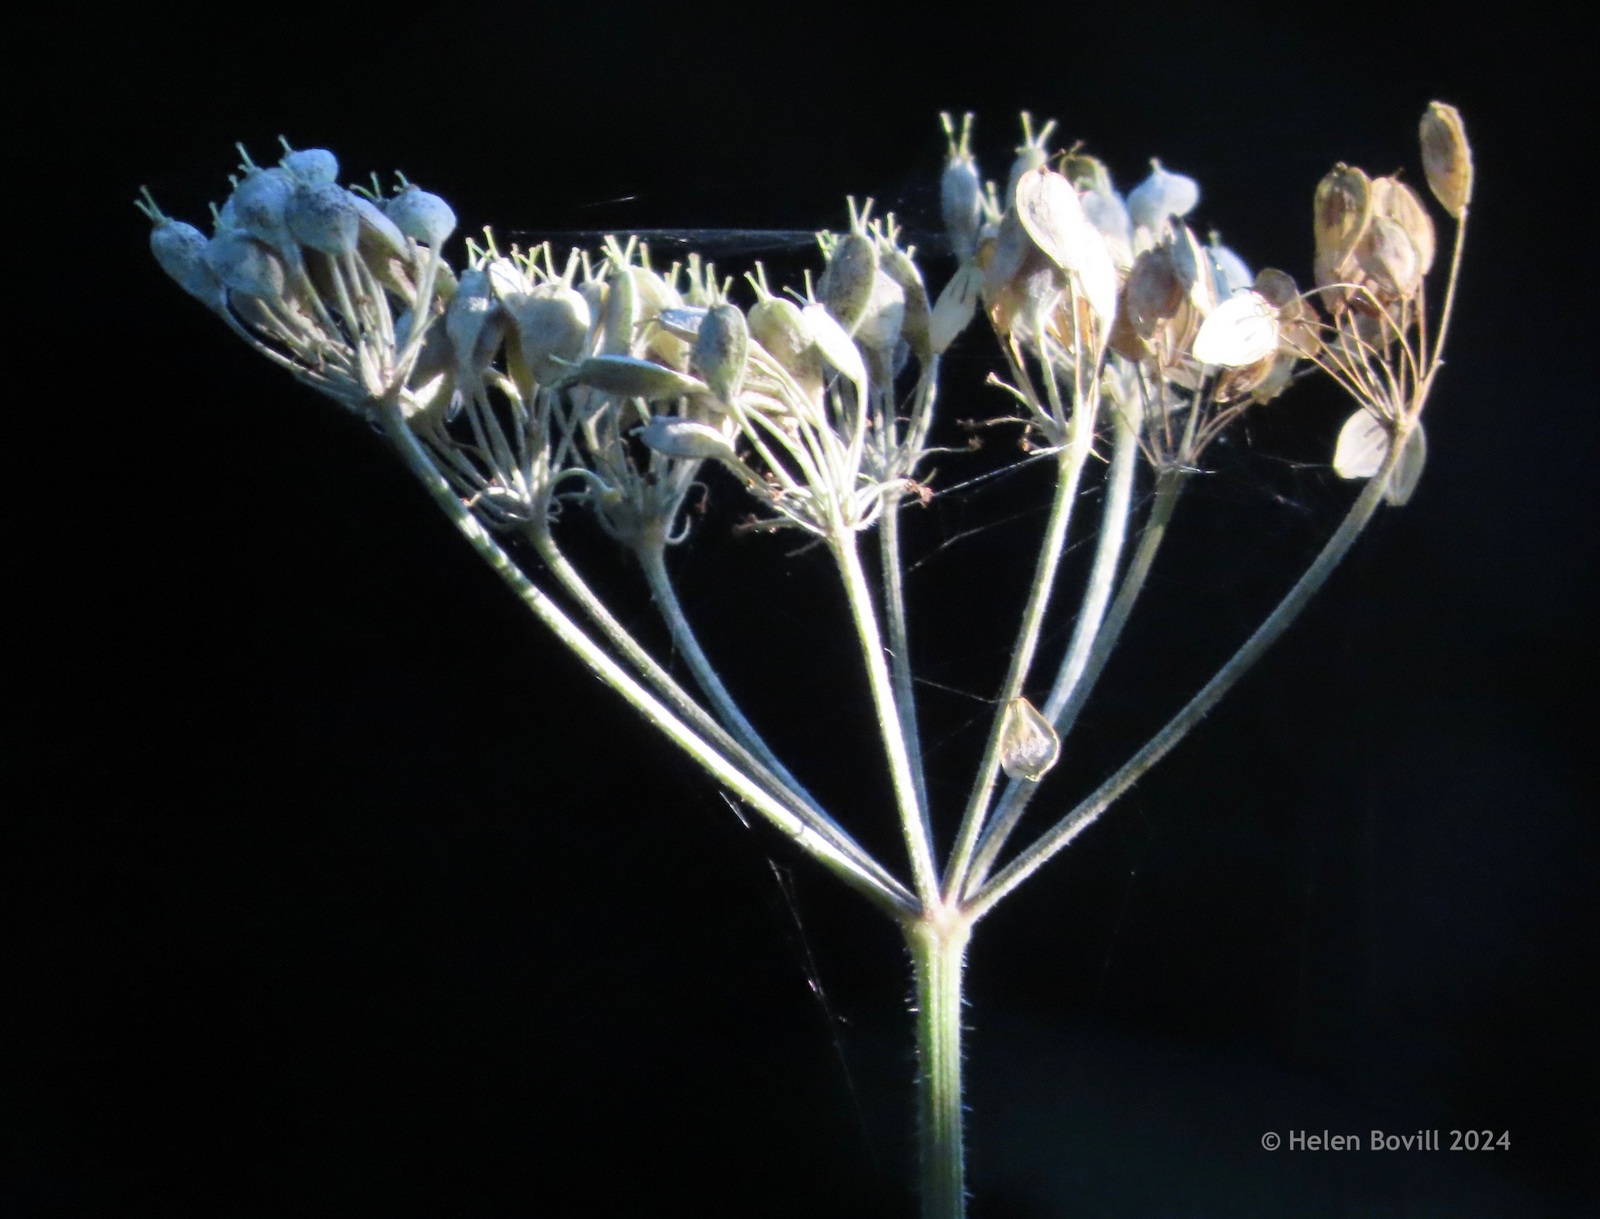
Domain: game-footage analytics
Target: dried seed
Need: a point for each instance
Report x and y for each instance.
(1029, 745)
(1447, 158)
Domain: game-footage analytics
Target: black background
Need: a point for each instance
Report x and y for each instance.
(339, 888)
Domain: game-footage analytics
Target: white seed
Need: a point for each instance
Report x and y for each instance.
(684, 438)
(1228, 270)
(954, 310)
(245, 265)
(1242, 330)
(1160, 195)
(323, 216)
(421, 216)
(1362, 445)
(180, 251)
(631, 378)
(836, 346)
(260, 202)
(721, 351)
(380, 236)
(311, 164)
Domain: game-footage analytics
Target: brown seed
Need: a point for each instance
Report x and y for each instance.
(1154, 293)
(1341, 211)
(1387, 254)
(1447, 157)
(1394, 199)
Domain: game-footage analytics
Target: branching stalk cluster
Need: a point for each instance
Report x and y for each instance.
(521, 387)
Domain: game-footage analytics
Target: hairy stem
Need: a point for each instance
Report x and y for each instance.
(938, 944)
(913, 815)
(894, 597)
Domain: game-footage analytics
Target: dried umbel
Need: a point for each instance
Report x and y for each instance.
(522, 389)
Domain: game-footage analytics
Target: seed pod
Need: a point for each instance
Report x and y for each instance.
(898, 266)
(1447, 158)
(1193, 269)
(475, 323)
(631, 378)
(1242, 330)
(1006, 255)
(686, 439)
(1387, 255)
(1297, 319)
(1109, 216)
(1341, 211)
(1049, 211)
(1031, 155)
(878, 328)
(180, 251)
(422, 216)
(1397, 201)
(683, 322)
(1362, 445)
(259, 204)
(721, 350)
(1154, 293)
(1087, 174)
(324, 217)
(960, 191)
(380, 238)
(507, 280)
(953, 311)
(1029, 745)
(1160, 195)
(779, 327)
(836, 346)
(245, 265)
(1228, 270)
(847, 285)
(310, 164)
(552, 325)
(619, 314)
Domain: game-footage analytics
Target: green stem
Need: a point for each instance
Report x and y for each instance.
(1068, 828)
(913, 816)
(938, 944)
(894, 596)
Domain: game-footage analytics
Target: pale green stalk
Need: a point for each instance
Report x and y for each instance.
(938, 944)
(894, 597)
(913, 815)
